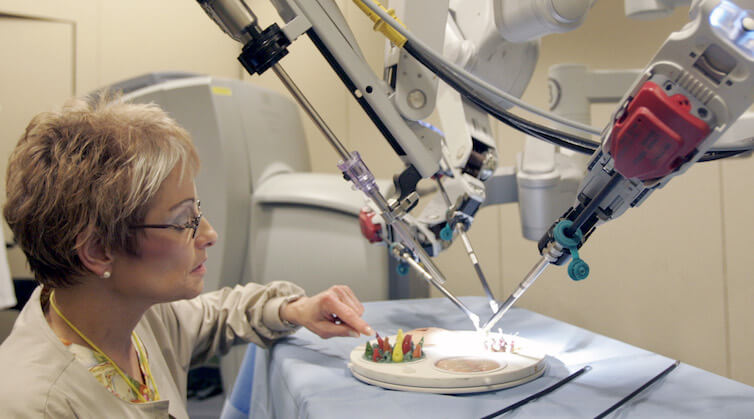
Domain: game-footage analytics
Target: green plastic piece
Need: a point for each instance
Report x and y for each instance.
(564, 239)
(446, 233)
(402, 268)
(578, 269)
(368, 351)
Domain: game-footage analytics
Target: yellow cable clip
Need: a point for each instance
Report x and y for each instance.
(379, 25)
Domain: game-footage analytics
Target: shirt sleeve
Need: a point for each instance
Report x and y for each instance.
(210, 324)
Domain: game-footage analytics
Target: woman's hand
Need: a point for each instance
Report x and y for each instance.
(335, 312)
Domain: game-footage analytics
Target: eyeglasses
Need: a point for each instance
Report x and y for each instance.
(193, 224)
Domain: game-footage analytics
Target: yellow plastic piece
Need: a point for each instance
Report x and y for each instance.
(379, 25)
(222, 91)
(398, 348)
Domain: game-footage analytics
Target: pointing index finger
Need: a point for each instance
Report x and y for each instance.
(348, 316)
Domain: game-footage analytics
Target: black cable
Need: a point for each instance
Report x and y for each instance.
(535, 396)
(539, 131)
(665, 372)
(717, 155)
(533, 131)
(463, 88)
(551, 135)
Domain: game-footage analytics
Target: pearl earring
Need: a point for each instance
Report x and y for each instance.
(106, 275)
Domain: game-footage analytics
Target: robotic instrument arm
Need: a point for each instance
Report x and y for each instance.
(497, 41)
(696, 86)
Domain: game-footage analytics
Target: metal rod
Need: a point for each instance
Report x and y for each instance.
(400, 227)
(461, 230)
(612, 408)
(532, 276)
(444, 193)
(537, 395)
(309, 109)
(427, 267)
(470, 314)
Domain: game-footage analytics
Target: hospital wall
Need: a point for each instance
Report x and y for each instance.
(671, 276)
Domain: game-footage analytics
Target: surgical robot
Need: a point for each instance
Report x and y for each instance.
(697, 85)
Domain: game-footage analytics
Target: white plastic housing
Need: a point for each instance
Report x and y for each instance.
(520, 21)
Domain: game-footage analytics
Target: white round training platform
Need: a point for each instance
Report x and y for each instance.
(454, 362)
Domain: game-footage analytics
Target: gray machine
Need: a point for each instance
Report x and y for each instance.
(276, 220)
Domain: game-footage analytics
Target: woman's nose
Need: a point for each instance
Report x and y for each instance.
(206, 235)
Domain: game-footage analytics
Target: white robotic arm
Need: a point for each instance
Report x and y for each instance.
(496, 40)
(475, 38)
(695, 88)
(419, 146)
(548, 176)
(499, 42)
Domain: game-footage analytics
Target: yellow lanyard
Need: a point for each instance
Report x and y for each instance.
(142, 355)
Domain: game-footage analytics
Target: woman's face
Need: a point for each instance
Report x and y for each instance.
(170, 265)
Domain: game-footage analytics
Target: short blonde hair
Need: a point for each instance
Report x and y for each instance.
(92, 169)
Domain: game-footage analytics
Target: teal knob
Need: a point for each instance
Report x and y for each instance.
(565, 240)
(402, 269)
(446, 233)
(578, 269)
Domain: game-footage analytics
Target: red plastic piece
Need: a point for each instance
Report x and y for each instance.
(369, 229)
(655, 135)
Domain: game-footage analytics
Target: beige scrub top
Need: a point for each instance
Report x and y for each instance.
(40, 378)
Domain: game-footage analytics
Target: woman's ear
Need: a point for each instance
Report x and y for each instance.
(93, 254)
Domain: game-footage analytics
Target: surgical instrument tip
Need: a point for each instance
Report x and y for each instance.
(529, 279)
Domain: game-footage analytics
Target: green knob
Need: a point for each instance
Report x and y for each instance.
(446, 233)
(565, 240)
(578, 269)
(402, 268)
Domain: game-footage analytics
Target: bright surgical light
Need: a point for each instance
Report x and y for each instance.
(727, 19)
(724, 18)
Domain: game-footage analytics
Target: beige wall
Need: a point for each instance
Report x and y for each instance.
(52, 50)
(671, 276)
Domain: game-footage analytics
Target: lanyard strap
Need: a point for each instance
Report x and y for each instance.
(99, 351)
(145, 362)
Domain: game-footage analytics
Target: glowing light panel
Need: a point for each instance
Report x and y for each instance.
(727, 19)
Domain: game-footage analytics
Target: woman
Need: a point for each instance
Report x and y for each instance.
(101, 198)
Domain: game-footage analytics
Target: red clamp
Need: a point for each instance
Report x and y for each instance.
(655, 135)
(369, 229)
